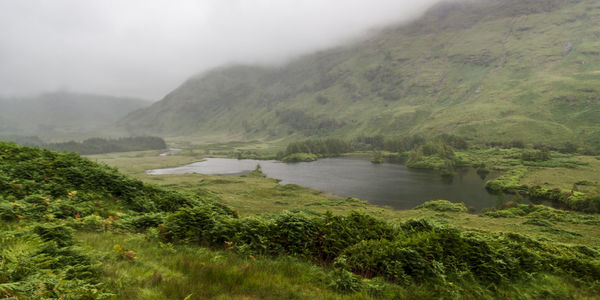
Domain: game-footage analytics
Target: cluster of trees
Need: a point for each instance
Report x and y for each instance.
(403, 144)
(506, 145)
(443, 144)
(536, 155)
(322, 148)
(100, 145)
(437, 148)
(417, 145)
(566, 147)
(454, 141)
(306, 123)
(23, 140)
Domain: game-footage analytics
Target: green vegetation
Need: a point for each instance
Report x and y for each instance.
(43, 261)
(257, 195)
(540, 215)
(74, 227)
(560, 198)
(536, 155)
(377, 157)
(391, 144)
(395, 150)
(432, 155)
(99, 145)
(42, 195)
(447, 153)
(417, 252)
(502, 164)
(442, 206)
(309, 150)
(300, 157)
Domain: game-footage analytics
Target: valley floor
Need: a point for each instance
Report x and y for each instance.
(256, 195)
(198, 273)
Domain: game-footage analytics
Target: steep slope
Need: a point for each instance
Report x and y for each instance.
(63, 112)
(494, 70)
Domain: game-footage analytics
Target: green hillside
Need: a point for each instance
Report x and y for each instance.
(488, 70)
(63, 112)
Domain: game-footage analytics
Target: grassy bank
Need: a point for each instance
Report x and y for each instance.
(574, 176)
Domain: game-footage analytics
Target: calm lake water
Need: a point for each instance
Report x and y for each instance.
(381, 184)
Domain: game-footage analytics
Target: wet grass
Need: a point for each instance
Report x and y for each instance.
(165, 271)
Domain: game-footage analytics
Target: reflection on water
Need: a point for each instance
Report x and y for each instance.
(381, 184)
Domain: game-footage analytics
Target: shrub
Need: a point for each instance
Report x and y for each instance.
(193, 224)
(344, 281)
(377, 157)
(432, 255)
(568, 147)
(454, 141)
(443, 205)
(535, 155)
(59, 234)
(417, 225)
(293, 233)
(383, 258)
(300, 157)
(6, 211)
(140, 222)
(429, 149)
(254, 235)
(90, 223)
(336, 233)
(483, 171)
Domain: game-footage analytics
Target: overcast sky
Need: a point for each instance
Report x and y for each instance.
(146, 48)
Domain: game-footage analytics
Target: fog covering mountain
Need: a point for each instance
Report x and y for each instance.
(63, 112)
(495, 70)
(146, 48)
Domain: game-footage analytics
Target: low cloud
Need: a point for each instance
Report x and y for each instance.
(145, 48)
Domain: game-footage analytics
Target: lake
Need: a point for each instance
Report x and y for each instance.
(385, 184)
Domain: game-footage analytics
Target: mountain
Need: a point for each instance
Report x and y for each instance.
(63, 112)
(489, 70)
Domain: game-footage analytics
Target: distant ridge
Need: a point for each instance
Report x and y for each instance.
(63, 112)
